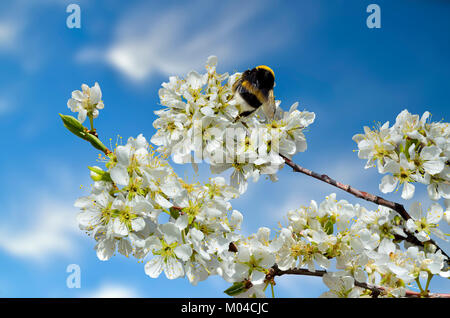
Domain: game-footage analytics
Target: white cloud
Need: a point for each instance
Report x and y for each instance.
(179, 39)
(40, 220)
(5, 106)
(18, 32)
(8, 34)
(51, 232)
(294, 201)
(301, 286)
(113, 290)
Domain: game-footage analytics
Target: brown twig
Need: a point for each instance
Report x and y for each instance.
(363, 195)
(358, 193)
(375, 290)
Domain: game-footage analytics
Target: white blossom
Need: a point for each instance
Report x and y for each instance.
(86, 102)
(425, 224)
(341, 285)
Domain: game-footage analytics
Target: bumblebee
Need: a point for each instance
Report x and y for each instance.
(255, 89)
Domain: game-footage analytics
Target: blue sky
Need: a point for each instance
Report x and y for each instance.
(322, 52)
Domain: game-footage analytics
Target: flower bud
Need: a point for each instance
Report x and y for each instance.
(97, 174)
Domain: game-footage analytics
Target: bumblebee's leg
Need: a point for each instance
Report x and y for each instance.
(236, 119)
(247, 113)
(243, 115)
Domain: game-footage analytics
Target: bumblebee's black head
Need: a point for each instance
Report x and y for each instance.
(262, 77)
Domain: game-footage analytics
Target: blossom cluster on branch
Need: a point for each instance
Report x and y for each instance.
(201, 123)
(412, 150)
(139, 206)
(123, 213)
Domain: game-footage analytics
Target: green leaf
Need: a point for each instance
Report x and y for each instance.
(235, 289)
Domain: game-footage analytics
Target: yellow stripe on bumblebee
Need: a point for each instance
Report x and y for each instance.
(265, 67)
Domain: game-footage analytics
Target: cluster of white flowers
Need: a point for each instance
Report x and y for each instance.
(365, 245)
(139, 207)
(201, 122)
(412, 150)
(123, 213)
(198, 235)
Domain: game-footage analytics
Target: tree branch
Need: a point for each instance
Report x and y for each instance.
(375, 290)
(366, 196)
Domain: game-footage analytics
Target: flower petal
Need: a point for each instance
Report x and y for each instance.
(154, 267)
(388, 184)
(119, 175)
(408, 191)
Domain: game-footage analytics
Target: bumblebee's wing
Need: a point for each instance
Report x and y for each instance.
(238, 82)
(269, 107)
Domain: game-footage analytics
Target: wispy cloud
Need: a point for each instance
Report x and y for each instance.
(301, 286)
(178, 39)
(51, 231)
(39, 222)
(9, 31)
(18, 32)
(5, 106)
(113, 290)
